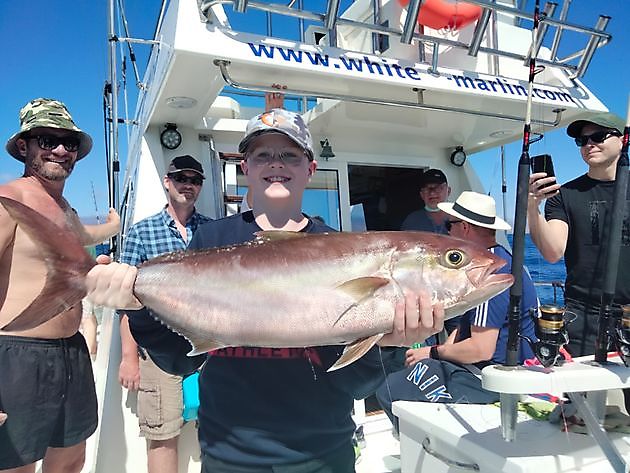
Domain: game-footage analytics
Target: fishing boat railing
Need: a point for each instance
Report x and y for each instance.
(574, 63)
(558, 289)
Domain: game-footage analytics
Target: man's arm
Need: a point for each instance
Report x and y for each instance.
(94, 234)
(479, 347)
(7, 234)
(129, 370)
(550, 237)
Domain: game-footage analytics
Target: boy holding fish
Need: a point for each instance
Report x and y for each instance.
(267, 407)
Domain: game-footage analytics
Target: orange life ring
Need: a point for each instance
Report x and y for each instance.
(439, 14)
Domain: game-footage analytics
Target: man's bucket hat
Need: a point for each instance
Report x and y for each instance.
(282, 121)
(475, 208)
(605, 120)
(47, 113)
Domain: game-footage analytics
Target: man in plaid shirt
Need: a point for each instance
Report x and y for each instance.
(160, 401)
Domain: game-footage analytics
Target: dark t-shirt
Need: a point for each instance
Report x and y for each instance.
(265, 406)
(585, 205)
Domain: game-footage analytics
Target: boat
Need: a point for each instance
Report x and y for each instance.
(385, 97)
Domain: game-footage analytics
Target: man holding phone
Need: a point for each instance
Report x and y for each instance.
(576, 223)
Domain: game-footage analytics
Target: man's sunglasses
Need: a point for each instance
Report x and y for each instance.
(449, 224)
(50, 142)
(183, 179)
(597, 137)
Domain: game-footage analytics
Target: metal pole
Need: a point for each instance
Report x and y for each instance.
(114, 164)
(503, 183)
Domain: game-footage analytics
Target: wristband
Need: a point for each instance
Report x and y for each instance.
(433, 353)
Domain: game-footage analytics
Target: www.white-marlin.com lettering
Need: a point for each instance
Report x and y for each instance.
(385, 68)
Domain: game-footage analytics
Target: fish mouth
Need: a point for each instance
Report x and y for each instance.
(487, 285)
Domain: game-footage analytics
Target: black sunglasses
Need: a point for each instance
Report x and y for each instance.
(183, 179)
(449, 224)
(597, 137)
(49, 142)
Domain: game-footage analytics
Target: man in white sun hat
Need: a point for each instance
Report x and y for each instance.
(447, 373)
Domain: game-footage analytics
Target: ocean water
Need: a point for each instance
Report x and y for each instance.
(544, 274)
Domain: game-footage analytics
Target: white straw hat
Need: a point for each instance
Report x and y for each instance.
(478, 209)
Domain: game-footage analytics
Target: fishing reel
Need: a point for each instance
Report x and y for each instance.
(552, 335)
(621, 335)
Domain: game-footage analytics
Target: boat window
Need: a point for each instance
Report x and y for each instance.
(321, 198)
(382, 196)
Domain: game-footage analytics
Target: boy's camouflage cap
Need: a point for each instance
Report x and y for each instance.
(47, 113)
(282, 121)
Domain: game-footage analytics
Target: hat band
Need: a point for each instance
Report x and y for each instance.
(473, 215)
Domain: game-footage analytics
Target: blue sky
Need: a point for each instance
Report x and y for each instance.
(59, 49)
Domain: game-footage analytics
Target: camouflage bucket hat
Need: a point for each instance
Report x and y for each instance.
(279, 121)
(47, 113)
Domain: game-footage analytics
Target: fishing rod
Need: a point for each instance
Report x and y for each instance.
(607, 320)
(509, 401)
(98, 218)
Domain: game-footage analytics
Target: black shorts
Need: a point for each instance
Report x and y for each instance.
(47, 391)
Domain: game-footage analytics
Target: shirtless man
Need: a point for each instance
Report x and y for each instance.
(46, 383)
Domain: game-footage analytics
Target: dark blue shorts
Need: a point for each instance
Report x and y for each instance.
(339, 461)
(47, 390)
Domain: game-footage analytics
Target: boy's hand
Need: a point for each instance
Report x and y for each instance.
(415, 319)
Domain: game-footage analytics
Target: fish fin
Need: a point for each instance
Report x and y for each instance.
(67, 264)
(278, 235)
(355, 350)
(362, 288)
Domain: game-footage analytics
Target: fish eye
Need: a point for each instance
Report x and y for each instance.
(455, 258)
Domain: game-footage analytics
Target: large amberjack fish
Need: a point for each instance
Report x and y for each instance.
(284, 289)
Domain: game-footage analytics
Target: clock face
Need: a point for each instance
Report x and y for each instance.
(171, 138)
(458, 158)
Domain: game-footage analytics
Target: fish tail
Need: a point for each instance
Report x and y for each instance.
(67, 263)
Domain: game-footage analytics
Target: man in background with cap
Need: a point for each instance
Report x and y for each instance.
(265, 409)
(46, 387)
(575, 225)
(433, 189)
(449, 372)
(169, 230)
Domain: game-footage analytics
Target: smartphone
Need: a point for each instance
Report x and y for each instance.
(543, 163)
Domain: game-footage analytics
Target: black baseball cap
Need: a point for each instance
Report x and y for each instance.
(433, 176)
(185, 163)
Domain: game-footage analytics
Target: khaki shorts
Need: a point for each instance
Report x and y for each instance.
(160, 402)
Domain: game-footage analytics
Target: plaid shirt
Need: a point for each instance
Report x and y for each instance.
(156, 235)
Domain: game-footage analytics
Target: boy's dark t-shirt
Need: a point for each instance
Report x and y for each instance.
(262, 406)
(585, 205)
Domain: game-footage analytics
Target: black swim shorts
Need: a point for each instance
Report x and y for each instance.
(47, 391)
